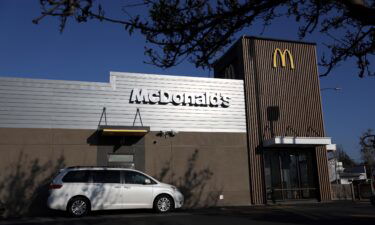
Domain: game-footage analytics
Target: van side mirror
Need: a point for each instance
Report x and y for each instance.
(147, 181)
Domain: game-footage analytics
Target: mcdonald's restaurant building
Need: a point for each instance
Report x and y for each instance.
(253, 134)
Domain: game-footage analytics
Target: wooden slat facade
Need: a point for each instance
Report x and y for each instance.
(280, 101)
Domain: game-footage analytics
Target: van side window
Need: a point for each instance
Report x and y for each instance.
(106, 176)
(79, 176)
(132, 177)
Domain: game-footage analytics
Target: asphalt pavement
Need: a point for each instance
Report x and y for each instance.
(336, 213)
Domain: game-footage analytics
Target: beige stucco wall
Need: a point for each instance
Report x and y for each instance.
(28, 159)
(203, 165)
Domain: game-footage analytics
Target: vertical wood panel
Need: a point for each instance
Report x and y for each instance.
(297, 95)
(254, 123)
(295, 92)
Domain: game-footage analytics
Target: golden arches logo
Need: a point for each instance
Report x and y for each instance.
(283, 55)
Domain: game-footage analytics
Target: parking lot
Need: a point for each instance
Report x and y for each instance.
(314, 213)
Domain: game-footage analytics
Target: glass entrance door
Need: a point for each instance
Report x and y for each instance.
(289, 174)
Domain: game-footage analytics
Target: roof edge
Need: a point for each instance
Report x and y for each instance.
(276, 39)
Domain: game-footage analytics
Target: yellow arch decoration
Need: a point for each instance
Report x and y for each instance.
(283, 54)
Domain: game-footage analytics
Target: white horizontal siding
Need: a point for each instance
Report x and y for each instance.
(33, 103)
(152, 110)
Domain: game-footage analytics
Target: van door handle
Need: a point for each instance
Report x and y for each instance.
(117, 186)
(127, 187)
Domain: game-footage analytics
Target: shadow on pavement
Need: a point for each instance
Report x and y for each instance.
(336, 213)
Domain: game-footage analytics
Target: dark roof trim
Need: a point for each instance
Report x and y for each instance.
(231, 48)
(275, 39)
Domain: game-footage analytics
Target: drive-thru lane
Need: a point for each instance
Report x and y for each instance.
(331, 213)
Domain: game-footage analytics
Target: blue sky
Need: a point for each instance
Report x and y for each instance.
(87, 52)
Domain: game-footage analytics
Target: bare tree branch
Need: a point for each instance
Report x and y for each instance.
(197, 30)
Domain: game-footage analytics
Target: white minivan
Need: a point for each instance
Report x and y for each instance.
(78, 190)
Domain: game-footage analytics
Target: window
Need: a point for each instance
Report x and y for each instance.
(79, 176)
(106, 176)
(289, 174)
(132, 177)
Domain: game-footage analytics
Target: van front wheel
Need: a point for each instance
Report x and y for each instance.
(163, 204)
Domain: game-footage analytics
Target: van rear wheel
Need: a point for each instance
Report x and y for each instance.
(78, 207)
(163, 204)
